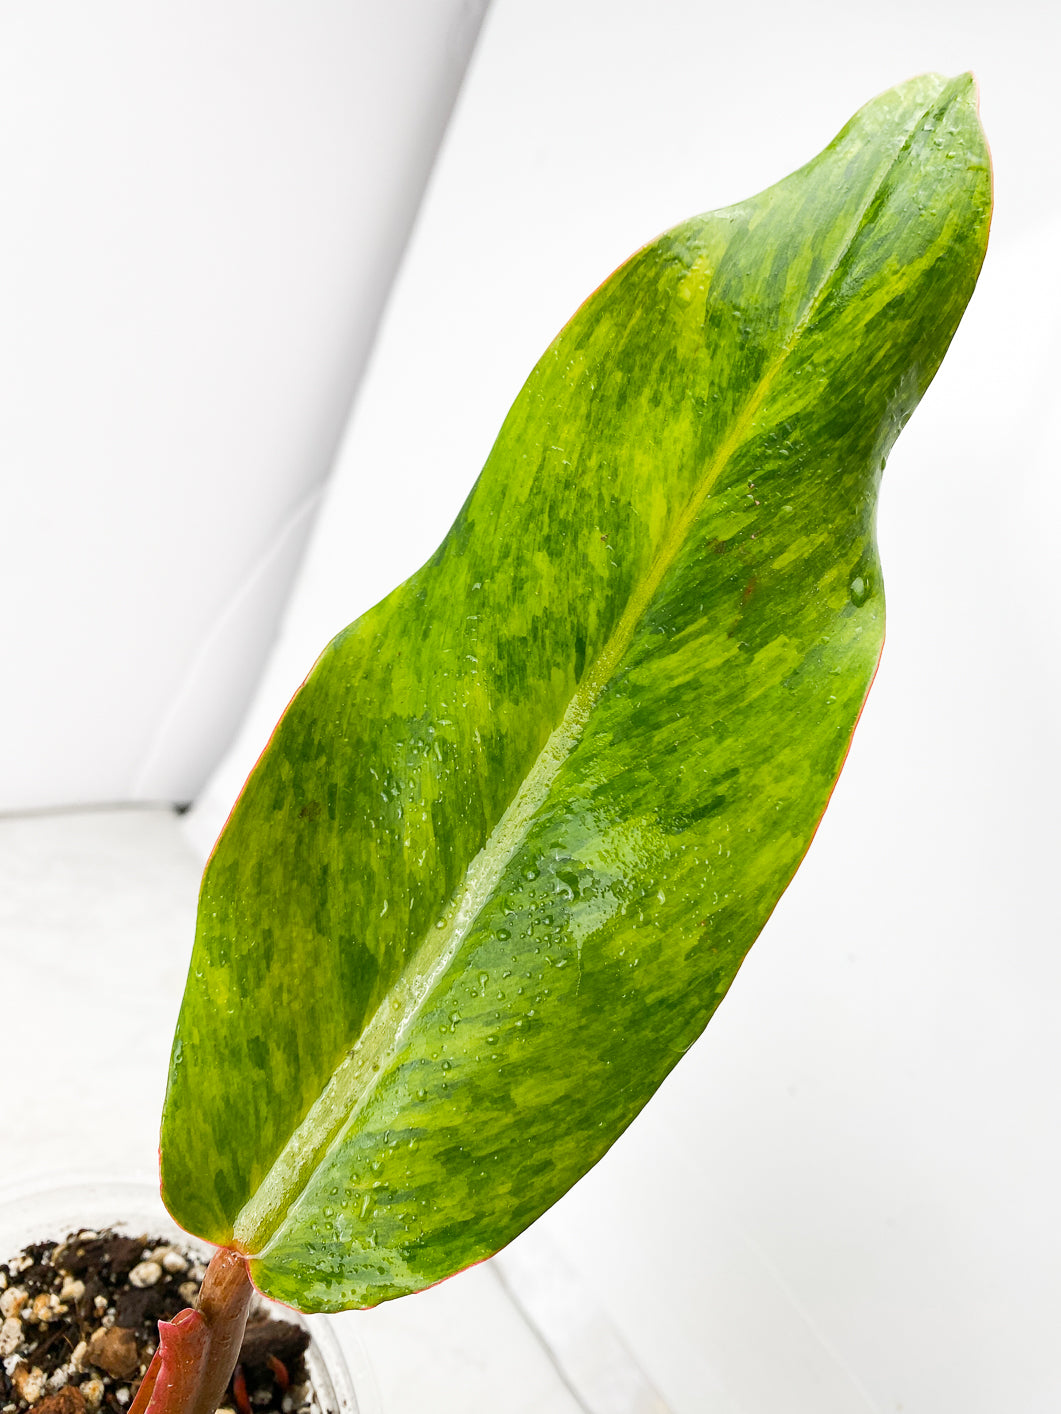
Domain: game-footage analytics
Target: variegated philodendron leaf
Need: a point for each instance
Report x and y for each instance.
(511, 841)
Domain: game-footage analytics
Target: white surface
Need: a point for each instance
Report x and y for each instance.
(203, 208)
(97, 911)
(597, 1365)
(844, 1198)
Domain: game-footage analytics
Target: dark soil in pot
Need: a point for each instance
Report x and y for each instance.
(79, 1325)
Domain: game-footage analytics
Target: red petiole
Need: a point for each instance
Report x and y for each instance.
(198, 1349)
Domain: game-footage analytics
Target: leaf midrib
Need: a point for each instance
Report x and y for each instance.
(355, 1077)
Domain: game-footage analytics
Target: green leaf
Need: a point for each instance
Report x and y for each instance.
(510, 843)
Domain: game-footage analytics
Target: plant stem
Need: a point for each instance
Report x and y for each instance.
(198, 1349)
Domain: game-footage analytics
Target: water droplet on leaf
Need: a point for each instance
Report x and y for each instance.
(859, 590)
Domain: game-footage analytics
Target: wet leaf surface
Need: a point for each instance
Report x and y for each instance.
(510, 843)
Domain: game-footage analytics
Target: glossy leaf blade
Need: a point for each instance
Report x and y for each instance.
(510, 843)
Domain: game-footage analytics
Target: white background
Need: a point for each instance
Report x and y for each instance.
(203, 207)
(844, 1198)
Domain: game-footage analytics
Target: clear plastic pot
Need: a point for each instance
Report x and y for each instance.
(340, 1376)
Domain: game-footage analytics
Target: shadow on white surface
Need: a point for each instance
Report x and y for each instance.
(204, 208)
